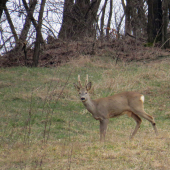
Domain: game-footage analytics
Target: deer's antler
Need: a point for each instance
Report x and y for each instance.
(86, 79)
(79, 81)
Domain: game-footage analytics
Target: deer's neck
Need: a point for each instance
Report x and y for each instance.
(90, 105)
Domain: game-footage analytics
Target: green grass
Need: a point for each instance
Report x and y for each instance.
(43, 125)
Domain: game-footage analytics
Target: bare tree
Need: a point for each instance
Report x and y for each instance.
(135, 17)
(19, 25)
(38, 35)
(11, 24)
(30, 14)
(27, 23)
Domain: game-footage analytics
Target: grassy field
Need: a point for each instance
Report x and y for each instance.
(43, 125)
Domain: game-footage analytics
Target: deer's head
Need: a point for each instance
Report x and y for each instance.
(83, 91)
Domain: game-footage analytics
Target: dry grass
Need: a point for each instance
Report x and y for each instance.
(144, 152)
(81, 148)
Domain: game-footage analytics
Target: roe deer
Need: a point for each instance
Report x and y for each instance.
(130, 103)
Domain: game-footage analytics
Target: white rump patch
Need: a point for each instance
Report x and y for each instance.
(142, 98)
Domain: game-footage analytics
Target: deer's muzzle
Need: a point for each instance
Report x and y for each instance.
(82, 99)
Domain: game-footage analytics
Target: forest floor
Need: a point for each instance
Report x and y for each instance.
(58, 52)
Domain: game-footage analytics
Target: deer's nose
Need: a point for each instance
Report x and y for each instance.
(82, 98)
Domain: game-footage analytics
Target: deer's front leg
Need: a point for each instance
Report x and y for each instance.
(103, 128)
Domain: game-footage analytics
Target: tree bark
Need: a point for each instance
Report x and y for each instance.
(66, 27)
(78, 19)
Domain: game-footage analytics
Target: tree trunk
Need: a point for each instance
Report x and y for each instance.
(118, 25)
(142, 21)
(27, 24)
(78, 19)
(2, 6)
(38, 36)
(128, 27)
(66, 27)
(26, 27)
(30, 16)
(135, 20)
(165, 22)
(109, 19)
(102, 19)
(154, 20)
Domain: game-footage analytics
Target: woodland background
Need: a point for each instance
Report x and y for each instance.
(47, 33)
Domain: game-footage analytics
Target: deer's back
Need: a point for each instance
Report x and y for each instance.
(117, 104)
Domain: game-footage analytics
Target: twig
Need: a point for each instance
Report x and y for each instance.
(165, 42)
(69, 157)
(56, 103)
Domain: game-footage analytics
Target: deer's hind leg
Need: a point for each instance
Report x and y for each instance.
(138, 122)
(143, 114)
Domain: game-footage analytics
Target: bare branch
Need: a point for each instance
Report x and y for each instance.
(11, 24)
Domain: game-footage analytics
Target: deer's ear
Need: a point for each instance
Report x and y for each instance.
(88, 86)
(76, 87)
